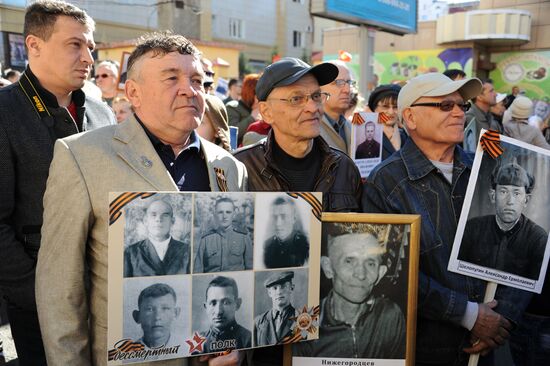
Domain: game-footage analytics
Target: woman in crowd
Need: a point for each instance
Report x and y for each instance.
(214, 127)
(245, 111)
(518, 126)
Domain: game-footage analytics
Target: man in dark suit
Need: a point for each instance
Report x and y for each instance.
(46, 104)
(159, 254)
(275, 324)
(289, 246)
(370, 148)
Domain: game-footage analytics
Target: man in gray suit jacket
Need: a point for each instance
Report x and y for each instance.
(157, 149)
(335, 128)
(46, 104)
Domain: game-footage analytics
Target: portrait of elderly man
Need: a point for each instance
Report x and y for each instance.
(355, 323)
(224, 247)
(429, 177)
(221, 304)
(275, 324)
(370, 148)
(288, 246)
(159, 254)
(157, 310)
(507, 241)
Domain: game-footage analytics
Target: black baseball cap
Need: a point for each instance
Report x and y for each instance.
(288, 70)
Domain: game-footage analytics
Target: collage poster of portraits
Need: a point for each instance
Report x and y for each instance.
(502, 235)
(201, 273)
(368, 292)
(366, 142)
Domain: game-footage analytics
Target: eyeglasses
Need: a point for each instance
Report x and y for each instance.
(301, 100)
(210, 74)
(387, 107)
(102, 76)
(341, 82)
(445, 106)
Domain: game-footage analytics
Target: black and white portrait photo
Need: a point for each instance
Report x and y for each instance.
(366, 142)
(282, 235)
(156, 313)
(280, 296)
(223, 232)
(504, 238)
(364, 291)
(157, 236)
(222, 310)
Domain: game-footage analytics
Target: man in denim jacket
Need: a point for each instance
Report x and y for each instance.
(429, 177)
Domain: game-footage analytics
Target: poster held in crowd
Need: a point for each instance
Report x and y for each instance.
(368, 291)
(502, 235)
(182, 279)
(366, 141)
(123, 70)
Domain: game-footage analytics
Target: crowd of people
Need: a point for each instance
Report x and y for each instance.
(168, 132)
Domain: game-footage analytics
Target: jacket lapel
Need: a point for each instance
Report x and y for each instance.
(134, 147)
(329, 134)
(149, 254)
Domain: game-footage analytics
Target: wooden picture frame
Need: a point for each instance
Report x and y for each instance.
(123, 70)
(399, 237)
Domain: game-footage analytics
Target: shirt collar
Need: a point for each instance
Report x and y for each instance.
(194, 140)
(418, 165)
(340, 122)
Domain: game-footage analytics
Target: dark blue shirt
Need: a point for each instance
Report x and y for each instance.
(188, 169)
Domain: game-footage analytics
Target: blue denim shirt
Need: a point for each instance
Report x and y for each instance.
(408, 183)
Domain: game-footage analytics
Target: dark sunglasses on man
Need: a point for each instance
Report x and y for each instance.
(445, 106)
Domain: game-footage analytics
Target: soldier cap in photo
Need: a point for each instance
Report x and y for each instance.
(512, 174)
(288, 70)
(278, 278)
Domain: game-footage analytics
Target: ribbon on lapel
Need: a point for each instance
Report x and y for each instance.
(221, 180)
(490, 143)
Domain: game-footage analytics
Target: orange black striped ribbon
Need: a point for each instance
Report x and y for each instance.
(116, 206)
(127, 345)
(220, 178)
(383, 118)
(316, 206)
(357, 119)
(490, 143)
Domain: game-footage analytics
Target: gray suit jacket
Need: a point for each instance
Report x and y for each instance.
(71, 286)
(333, 139)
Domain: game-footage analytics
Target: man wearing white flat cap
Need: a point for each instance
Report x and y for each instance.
(429, 176)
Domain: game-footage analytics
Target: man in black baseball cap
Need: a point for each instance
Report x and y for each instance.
(294, 157)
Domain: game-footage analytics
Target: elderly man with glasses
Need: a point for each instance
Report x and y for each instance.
(106, 78)
(335, 128)
(429, 176)
(294, 157)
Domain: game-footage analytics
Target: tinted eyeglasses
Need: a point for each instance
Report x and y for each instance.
(341, 82)
(102, 76)
(445, 106)
(301, 100)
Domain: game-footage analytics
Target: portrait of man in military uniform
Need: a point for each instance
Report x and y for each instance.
(370, 148)
(221, 305)
(355, 321)
(506, 240)
(224, 247)
(159, 254)
(288, 246)
(272, 326)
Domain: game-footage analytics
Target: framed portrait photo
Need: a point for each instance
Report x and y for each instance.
(368, 292)
(123, 70)
(197, 273)
(502, 235)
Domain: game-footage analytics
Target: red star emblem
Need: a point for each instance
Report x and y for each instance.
(199, 343)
